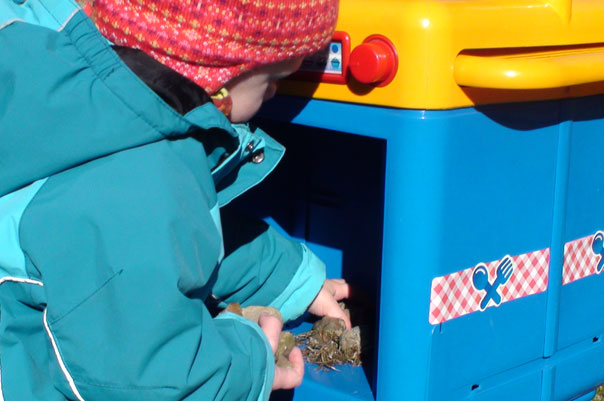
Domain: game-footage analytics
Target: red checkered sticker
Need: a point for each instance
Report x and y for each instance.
(582, 257)
(488, 284)
(491, 284)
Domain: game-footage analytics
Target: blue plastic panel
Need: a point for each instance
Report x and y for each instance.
(578, 369)
(581, 302)
(516, 385)
(472, 348)
(490, 193)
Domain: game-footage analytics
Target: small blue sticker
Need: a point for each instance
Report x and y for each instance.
(597, 246)
(480, 280)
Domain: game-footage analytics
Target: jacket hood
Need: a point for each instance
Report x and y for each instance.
(67, 99)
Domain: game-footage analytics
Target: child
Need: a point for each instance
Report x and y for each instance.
(113, 170)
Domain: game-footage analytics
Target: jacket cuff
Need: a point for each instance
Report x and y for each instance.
(303, 287)
(270, 357)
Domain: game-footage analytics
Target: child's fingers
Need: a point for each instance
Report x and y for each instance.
(295, 357)
(287, 378)
(332, 309)
(342, 291)
(339, 288)
(325, 304)
(345, 318)
(271, 326)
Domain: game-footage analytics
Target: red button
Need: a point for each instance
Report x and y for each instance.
(374, 61)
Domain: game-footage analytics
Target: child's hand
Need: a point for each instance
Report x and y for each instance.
(326, 302)
(285, 378)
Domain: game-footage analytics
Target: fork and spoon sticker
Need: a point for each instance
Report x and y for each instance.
(480, 281)
(597, 246)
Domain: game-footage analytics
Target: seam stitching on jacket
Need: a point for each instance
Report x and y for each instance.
(20, 280)
(10, 22)
(74, 12)
(120, 387)
(65, 314)
(15, 280)
(20, 228)
(62, 366)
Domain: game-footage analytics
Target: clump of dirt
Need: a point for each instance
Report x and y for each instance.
(287, 341)
(329, 344)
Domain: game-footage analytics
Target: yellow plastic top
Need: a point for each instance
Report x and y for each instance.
(457, 53)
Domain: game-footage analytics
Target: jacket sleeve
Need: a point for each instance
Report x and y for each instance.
(264, 267)
(126, 247)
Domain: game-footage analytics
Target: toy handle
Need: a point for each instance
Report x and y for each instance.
(517, 69)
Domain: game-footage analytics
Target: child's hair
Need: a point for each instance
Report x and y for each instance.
(213, 41)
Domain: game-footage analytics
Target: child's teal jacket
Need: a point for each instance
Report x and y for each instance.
(110, 231)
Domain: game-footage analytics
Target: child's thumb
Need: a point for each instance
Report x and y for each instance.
(271, 326)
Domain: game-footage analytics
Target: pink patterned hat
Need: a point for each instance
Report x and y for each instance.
(213, 41)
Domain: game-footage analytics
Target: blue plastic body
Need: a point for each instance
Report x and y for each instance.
(393, 198)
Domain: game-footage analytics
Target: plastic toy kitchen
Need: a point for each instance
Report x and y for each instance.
(448, 161)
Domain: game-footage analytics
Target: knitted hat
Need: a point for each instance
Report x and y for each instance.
(213, 41)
